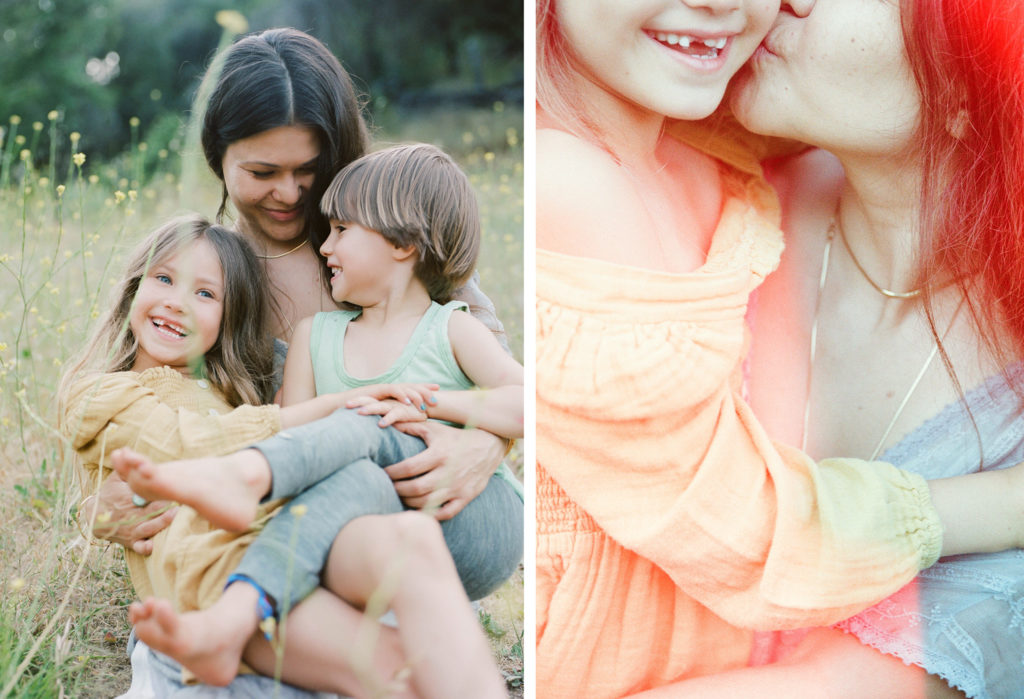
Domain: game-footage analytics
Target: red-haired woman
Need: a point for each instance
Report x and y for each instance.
(899, 309)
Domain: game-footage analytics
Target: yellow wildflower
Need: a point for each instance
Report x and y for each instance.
(233, 21)
(37, 126)
(60, 190)
(44, 181)
(134, 121)
(15, 120)
(93, 179)
(143, 147)
(74, 136)
(78, 159)
(52, 115)
(25, 154)
(119, 196)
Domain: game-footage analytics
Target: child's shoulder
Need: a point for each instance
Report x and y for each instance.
(564, 158)
(585, 198)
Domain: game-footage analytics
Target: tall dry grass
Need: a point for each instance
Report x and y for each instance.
(65, 224)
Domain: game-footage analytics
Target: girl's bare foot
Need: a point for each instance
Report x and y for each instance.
(209, 642)
(225, 490)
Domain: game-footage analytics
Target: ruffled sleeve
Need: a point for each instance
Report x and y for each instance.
(159, 413)
(640, 422)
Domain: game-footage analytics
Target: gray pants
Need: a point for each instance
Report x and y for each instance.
(333, 467)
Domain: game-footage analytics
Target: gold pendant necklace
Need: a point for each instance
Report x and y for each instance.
(283, 254)
(822, 279)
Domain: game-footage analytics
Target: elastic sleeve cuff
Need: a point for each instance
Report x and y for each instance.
(924, 526)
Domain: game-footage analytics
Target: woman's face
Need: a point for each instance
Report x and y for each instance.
(670, 57)
(832, 73)
(268, 177)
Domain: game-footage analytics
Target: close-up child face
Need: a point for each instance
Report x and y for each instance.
(670, 57)
(360, 261)
(178, 308)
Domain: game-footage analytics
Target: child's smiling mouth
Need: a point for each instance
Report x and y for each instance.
(697, 47)
(169, 329)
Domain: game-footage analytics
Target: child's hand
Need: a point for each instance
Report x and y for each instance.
(391, 410)
(418, 395)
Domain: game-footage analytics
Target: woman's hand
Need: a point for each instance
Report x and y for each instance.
(390, 410)
(115, 518)
(454, 468)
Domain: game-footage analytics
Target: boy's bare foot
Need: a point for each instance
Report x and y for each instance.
(225, 490)
(209, 642)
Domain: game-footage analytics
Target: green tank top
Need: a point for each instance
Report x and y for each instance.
(426, 358)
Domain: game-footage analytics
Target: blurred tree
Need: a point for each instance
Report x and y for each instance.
(101, 62)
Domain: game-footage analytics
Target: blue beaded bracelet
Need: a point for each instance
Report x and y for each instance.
(268, 620)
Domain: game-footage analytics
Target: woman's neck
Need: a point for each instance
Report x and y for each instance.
(878, 213)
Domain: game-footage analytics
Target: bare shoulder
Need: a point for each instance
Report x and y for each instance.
(464, 325)
(584, 197)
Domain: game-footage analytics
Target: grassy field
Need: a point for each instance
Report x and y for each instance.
(66, 223)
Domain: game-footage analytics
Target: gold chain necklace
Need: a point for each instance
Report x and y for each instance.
(822, 279)
(888, 293)
(283, 254)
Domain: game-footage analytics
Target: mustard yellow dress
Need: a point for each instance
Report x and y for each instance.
(167, 416)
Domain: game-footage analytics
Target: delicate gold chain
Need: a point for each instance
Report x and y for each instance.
(822, 279)
(283, 254)
(888, 293)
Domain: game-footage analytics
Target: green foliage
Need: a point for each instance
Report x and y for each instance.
(102, 62)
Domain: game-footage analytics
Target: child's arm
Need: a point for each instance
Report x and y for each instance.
(498, 406)
(299, 400)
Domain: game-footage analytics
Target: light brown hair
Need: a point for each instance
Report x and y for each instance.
(240, 362)
(413, 195)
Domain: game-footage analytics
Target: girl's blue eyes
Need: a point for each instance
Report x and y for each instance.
(165, 279)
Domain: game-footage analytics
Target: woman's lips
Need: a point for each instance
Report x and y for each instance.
(284, 214)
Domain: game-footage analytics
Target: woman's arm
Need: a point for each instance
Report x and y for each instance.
(981, 512)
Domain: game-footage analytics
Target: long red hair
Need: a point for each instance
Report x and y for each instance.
(968, 59)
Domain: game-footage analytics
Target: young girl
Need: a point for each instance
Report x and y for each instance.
(187, 342)
(668, 523)
(404, 234)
